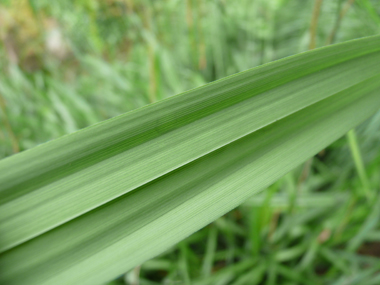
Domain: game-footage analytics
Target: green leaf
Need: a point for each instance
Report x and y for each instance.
(93, 204)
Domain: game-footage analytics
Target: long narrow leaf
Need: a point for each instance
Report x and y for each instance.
(68, 211)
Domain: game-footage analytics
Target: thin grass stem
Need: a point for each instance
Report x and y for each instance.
(314, 24)
(358, 160)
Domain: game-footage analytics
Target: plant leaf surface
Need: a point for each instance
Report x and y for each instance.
(97, 202)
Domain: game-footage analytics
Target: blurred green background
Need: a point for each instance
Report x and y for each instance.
(65, 65)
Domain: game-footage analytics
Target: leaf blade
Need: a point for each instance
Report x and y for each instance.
(332, 112)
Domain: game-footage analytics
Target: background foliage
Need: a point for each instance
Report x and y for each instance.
(68, 64)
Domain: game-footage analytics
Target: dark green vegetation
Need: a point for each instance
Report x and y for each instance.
(318, 223)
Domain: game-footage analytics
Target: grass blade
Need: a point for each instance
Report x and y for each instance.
(98, 202)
